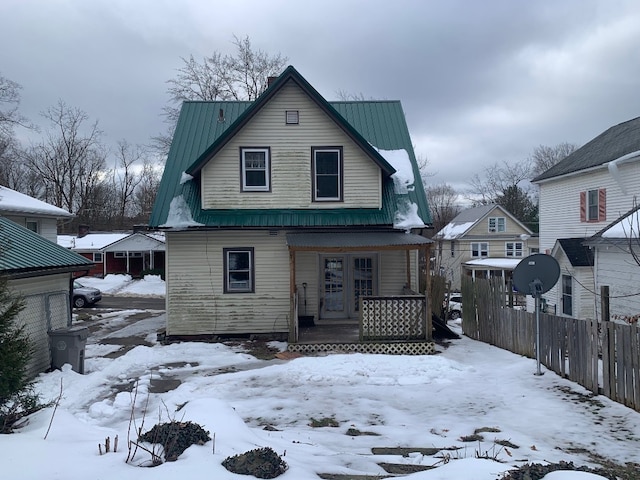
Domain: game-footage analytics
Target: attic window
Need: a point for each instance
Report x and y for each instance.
(292, 117)
(255, 169)
(497, 224)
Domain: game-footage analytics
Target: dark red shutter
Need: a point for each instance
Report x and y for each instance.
(602, 205)
(583, 206)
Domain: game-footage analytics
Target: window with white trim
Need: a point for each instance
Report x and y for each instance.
(327, 174)
(567, 295)
(593, 205)
(479, 249)
(513, 249)
(255, 168)
(239, 274)
(97, 257)
(497, 224)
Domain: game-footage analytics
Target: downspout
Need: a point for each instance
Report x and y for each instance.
(615, 172)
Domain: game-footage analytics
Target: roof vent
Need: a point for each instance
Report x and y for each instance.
(221, 116)
(273, 233)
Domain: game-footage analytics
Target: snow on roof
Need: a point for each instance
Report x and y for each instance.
(400, 161)
(504, 263)
(16, 202)
(179, 215)
(406, 216)
(451, 231)
(91, 241)
(628, 227)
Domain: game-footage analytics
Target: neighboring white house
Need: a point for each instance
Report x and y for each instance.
(617, 266)
(481, 242)
(37, 269)
(581, 195)
(31, 213)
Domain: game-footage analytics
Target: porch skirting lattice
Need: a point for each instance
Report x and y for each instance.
(387, 348)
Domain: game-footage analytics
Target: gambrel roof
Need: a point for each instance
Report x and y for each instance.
(610, 145)
(203, 128)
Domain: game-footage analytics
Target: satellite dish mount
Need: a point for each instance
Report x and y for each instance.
(535, 275)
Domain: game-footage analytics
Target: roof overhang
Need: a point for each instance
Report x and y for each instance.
(493, 263)
(41, 272)
(354, 241)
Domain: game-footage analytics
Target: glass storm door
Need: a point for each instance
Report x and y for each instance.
(345, 279)
(333, 298)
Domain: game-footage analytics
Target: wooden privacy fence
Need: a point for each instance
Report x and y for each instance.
(394, 318)
(602, 357)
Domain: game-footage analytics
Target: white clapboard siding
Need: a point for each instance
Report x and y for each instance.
(290, 160)
(582, 285)
(307, 272)
(617, 270)
(393, 272)
(46, 308)
(47, 227)
(196, 304)
(560, 202)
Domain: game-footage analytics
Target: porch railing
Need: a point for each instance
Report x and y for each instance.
(394, 318)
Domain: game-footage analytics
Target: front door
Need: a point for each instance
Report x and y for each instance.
(345, 278)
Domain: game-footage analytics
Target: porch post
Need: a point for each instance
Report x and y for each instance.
(427, 292)
(408, 257)
(292, 291)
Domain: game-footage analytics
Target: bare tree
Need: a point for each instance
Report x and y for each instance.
(443, 201)
(241, 76)
(125, 179)
(545, 157)
(9, 103)
(147, 189)
(497, 179)
(70, 160)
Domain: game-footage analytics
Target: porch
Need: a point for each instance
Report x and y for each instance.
(343, 274)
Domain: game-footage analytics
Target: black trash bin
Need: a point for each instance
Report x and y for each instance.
(67, 346)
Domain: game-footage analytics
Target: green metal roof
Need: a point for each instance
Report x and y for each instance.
(205, 127)
(25, 253)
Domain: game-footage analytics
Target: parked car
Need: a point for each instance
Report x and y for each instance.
(454, 308)
(84, 296)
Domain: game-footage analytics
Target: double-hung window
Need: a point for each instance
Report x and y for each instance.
(255, 169)
(593, 205)
(513, 249)
(326, 166)
(479, 249)
(239, 273)
(497, 224)
(97, 257)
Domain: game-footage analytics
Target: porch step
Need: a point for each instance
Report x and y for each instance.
(385, 348)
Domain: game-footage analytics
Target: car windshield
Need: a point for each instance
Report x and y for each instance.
(77, 285)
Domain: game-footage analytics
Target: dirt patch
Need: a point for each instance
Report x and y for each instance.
(261, 463)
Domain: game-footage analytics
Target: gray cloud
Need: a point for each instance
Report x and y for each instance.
(480, 82)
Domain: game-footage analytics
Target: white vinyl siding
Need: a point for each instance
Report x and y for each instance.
(560, 202)
(393, 275)
(291, 168)
(616, 269)
(196, 302)
(47, 227)
(46, 308)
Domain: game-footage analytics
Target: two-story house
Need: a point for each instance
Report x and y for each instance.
(37, 269)
(579, 196)
(287, 206)
(482, 242)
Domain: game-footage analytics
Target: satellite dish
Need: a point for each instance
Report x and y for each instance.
(536, 274)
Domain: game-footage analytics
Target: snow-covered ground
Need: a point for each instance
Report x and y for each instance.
(397, 401)
(149, 286)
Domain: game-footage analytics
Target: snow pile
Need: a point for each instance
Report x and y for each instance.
(179, 215)
(124, 285)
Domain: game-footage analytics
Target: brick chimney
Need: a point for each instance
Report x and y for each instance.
(82, 230)
(270, 80)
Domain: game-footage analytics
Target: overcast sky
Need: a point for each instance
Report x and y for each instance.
(480, 81)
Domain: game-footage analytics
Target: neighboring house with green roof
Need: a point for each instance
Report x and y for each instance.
(482, 242)
(581, 195)
(287, 206)
(41, 272)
